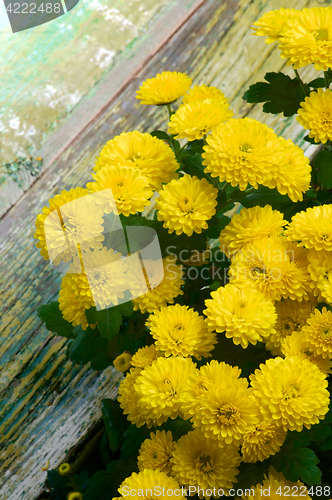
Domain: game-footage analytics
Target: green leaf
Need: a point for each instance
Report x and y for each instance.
(126, 309)
(89, 346)
(281, 94)
(160, 134)
(178, 427)
(60, 486)
(323, 162)
(193, 147)
(310, 139)
(326, 444)
(251, 474)
(222, 202)
(328, 416)
(109, 322)
(297, 463)
(214, 231)
(105, 483)
(134, 438)
(265, 196)
(104, 450)
(54, 321)
(193, 165)
(317, 83)
(91, 315)
(115, 423)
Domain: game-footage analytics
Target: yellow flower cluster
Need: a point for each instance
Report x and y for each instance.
(279, 275)
(305, 36)
(245, 151)
(275, 485)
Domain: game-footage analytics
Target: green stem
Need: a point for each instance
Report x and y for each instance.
(304, 90)
(250, 190)
(224, 187)
(169, 109)
(326, 80)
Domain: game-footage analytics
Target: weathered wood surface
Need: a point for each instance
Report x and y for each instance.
(214, 46)
(107, 43)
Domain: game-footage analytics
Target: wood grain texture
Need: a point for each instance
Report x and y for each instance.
(127, 63)
(214, 46)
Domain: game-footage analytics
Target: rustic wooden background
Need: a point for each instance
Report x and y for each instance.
(47, 403)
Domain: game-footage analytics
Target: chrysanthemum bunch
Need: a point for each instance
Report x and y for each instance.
(198, 263)
(245, 151)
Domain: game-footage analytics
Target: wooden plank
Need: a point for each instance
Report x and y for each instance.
(215, 47)
(127, 63)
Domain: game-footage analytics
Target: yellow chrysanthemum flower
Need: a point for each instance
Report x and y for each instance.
(165, 292)
(293, 174)
(308, 39)
(275, 484)
(296, 345)
(291, 316)
(312, 227)
(144, 356)
(243, 314)
(69, 303)
(261, 441)
(186, 204)
(128, 399)
(315, 114)
(180, 331)
(320, 269)
(274, 267)
(291, 392)
(123, 362)
(139, 486)
(318, 333)
(152, 156)
(194, 120)
(273, 23)
(164, 88)
(209, 376)
(122, 190)
(204, 463)
(249, 224)
(202, 92)
(74, 495)
(224, 412)
(103, 281)
(155, 453)
(242, 151)
(72, 219)
(65, 470)
(159, 387)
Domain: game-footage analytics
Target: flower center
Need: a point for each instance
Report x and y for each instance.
(166, 386)
(228, 414)
(204, 462)
(289, 326)
(97, 277)
(326, 119)
(290, 392)
(178, 333)
(258, 272)
(186, 203)
(322, 34)
(246, 148)
(70, 226)
(136, 159)
(326, 332)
